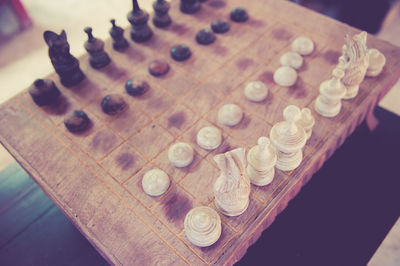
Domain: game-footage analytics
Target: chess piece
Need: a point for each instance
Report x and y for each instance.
(232, 188)
(44, 92)
(291, 59)
(230, 115)
(202, 226)
(285, 76)
(161, 17)
(306, 121)
(140, 31)
(98, 58)
(205, 37)
(376, 62)
(180, 154)
(354, 62)
(136, 86)
(189, 6)
(77, 121)
(239, 14)
(209, 138)
(158, 68)
(331, 91)
(303, 45)
(261, 160)
(113, 104)
(220, 26)
(256, 91)
(288, 140)
(117, 35)
(180, 52)
(65, 64)
(155, 182)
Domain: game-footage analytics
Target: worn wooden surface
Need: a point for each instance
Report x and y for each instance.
(95, 177)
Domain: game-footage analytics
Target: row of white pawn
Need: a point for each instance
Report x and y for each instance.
(283, 149)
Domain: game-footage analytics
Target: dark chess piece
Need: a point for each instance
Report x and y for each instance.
(161, 17)
(65, 64)
(189, 6)
(117, 34)
(77, 121)
(205, 37)
(140, 31)
(95, 47)
(113, 104)
(239, 14)
(180, 52)
(220, 26)
(44, 92)
(136, 86)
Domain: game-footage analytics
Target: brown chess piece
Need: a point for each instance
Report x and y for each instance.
(95, 47)
(140, 31)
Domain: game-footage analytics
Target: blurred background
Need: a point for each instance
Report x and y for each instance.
(24, 57)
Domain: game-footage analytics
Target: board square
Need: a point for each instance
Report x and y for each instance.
(154, 102)
(177, 119)
(129, 122)
(123, 162)
(94, 126)
(95, 105)
(134, 186)
(86, 91)
(154, 134)
(250, 129)
(243, 65)
(101, 143)
(239, 97)
(201, 100)
(57, 111)
(265, 193)
(228, 143)
(211, 252)
(300, 94)
(173, 207)
(265, 49)
(200, 181)
(314, 73)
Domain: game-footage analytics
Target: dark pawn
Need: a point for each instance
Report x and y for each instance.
(117, 34)
(140, 31)
(161, 17)
(44, 92)
(180, 52)
(220, 26)
(95, 47)
(189, 6)
(158, 68)
(113, 104)
(136, 86)
(77, 121)
(239, 15)
(65, 64)
(205, 37)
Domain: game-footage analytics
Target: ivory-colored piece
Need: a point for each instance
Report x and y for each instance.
(155, 182)
(292, 59)
(285, 76)
(303, 45)
(209, 138)
(232, 188)
(202, 226)
(261, 160)
(180, 154)
(354, 62)
(230, 114)
(329, 102)
(306, 121)
(256, 91)
(376, 63)
(288, 139)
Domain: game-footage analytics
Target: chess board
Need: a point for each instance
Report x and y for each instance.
(95, 177)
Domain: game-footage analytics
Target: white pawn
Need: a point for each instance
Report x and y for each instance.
(256, 91)
(261, 160)
(329, 103)
(306, 121)
(376, 62)
(288, 139)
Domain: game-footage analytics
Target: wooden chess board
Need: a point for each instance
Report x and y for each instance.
(95, 177)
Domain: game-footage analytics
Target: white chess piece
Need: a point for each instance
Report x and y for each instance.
(180, 154)
(202, 226)
(292, 59)
(155, 182)
(209, 138)
(230, 115)
(232, 188)
(306, 121)
(288, 139)
(285, 76)
(376, 63)
(261, 160)
(256, 91)
(303, 45)
(329, 103)
(354, 63)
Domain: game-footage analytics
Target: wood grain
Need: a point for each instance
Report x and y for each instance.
(95, 177)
